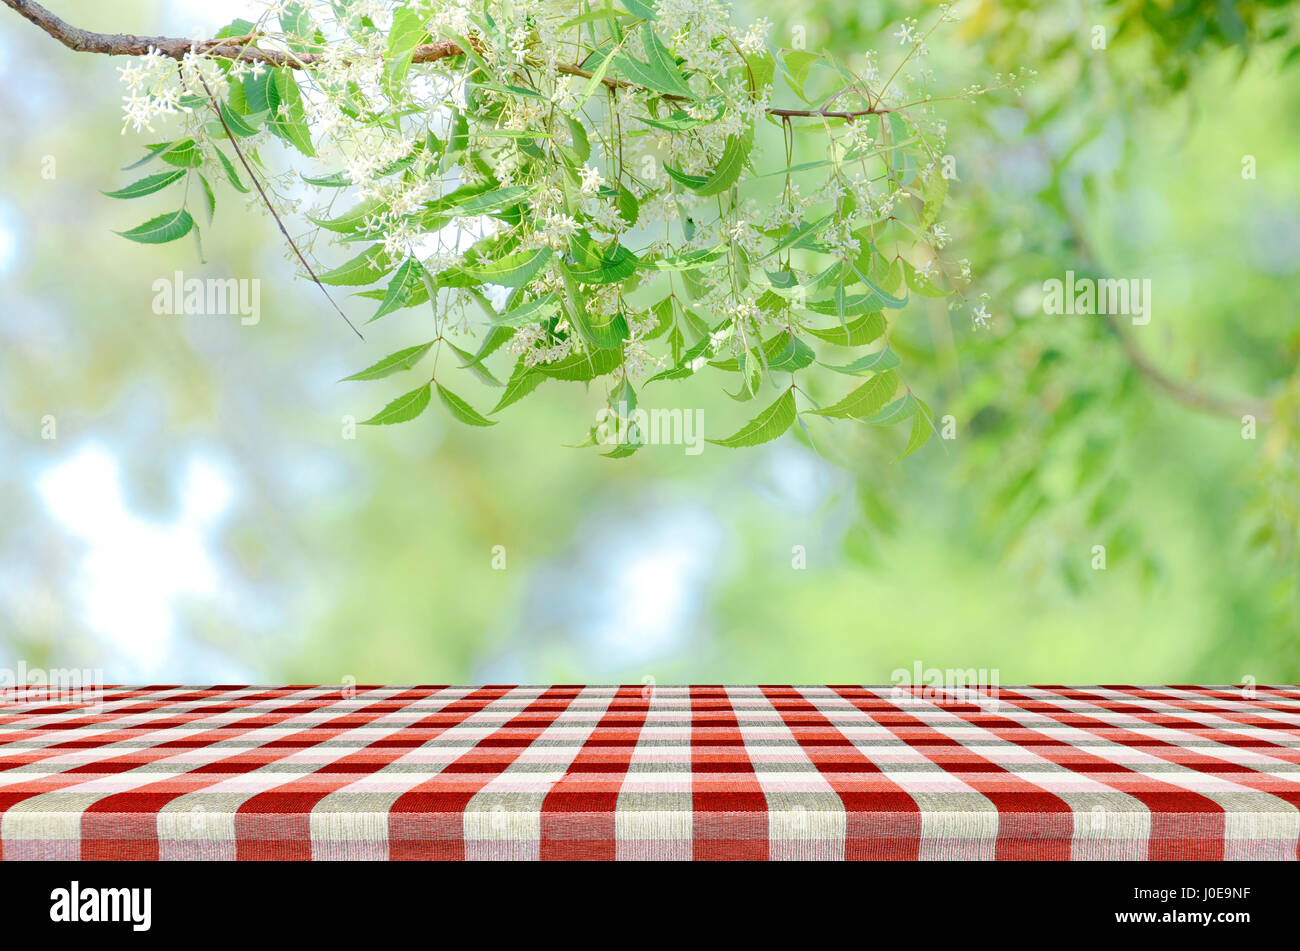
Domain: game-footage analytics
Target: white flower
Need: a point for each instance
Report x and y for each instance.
(591, 181)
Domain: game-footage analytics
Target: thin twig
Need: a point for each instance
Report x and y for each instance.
(212, 101)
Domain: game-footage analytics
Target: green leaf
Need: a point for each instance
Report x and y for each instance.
(660, 74)
(922, 429)
(351, 220)
(365, 268)
(260, 92)
(147, 185)
(406, 34)
(934, 199)
(801, 233)
(530, 312)
(239, 124)
(151, 153)
(615, 265)
(645, 9)
(231, 174)
(405, 407)
(783, 351)
(462, 410)
(920, 283)
(690, 181)
(514, 270)
(679, 121)
(394, 362)
(605, 335)
(208, 197)
(730, 165)
(581, 143)
(895, 412)
(162, 229)
(497, 198)
(628, 207)
(183, 153)
(408, 276)
(855, 333)
(794, 355)
(887, 298)
(797, 65)
(845, 305)
(523, 380)
(764, 427)
(583, 366)
(684, 262)
(663, 64)
(288, 119)
(336, 180)
(866, 399)
(597, 77)
(597, 16)
(871, 363)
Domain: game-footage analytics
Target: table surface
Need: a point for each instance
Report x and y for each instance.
(646, 772)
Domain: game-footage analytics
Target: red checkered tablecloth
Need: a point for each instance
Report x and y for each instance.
(706, 772)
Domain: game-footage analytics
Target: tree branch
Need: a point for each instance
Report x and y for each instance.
(235, 48)
(128, 44)
(1184, 393)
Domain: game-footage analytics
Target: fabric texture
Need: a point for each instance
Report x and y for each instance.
(645, 772)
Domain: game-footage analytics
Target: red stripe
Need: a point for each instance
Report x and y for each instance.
(881, 820)
(428, 822)
(579, 812)
(730, 809)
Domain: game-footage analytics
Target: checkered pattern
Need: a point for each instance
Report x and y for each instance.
(652, 773)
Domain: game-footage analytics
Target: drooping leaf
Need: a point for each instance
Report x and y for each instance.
(497, 198)
(922, 429)
(866, 400)
(365, 268)
(405, 407)
(393, 363)
(764, 427)
(406, 34)
(872, 363)
(583, 366)
(597, 77)
(530, 312)
(462, 410)
(730, 165)
(351, 220)
(522, 381)
(684, 262)
(147, 185)
(183, 153)
(855, 333)
(162, 229)
(406, 279)
(514, 270)
(660, 73)
(935, 195)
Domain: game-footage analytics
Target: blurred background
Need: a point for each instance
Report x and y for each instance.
(199, 515)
